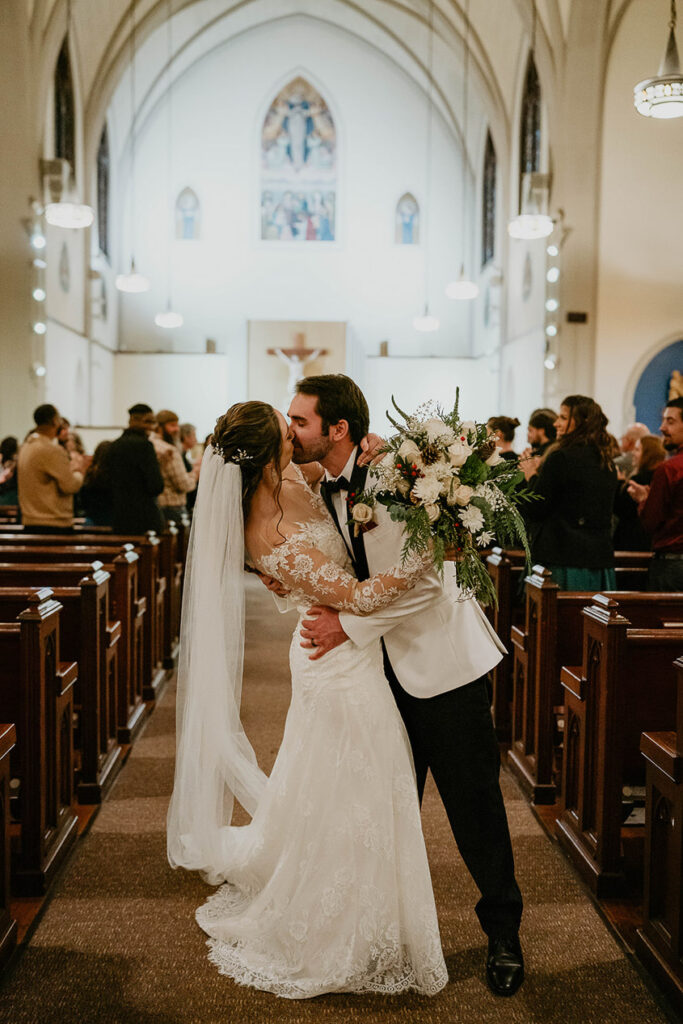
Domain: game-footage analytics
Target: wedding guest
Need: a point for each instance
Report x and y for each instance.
(48, 478)
(9, 447)
(541, 433)
(189, 447)
(627, 444)
(630, 534)
(132, 471)
(63, 432)
(502, 428)
(571, 523)
(177, 480)
(661, 505)
(95, 498)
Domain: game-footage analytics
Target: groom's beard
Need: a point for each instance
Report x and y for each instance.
(314, 451)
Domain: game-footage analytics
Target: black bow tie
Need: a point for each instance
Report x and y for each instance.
(329, 487)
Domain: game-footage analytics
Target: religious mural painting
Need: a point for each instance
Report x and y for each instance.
(298, 167)
(407, 230)
(187, 215)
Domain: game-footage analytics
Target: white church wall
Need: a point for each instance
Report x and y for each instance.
(229, 276)
(641, 221)
(196, 387)
(521, 380)
(415, 380)
(67, 378)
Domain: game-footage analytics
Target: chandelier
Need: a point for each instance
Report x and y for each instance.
(663, 96)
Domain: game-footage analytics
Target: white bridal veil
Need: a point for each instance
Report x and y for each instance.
(215, 762)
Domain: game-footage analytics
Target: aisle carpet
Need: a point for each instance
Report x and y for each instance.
(118, 943)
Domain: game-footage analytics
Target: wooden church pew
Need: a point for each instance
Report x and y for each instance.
(36, 693)
(659, 943)
(151, 586)
(624, 686)
(506, 569)
(8, 926)
(126, 605)
(91, 638)
(552, 636)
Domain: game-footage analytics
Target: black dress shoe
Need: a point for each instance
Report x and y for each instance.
(504, 966)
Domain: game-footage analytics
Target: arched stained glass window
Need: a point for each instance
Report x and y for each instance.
(103, 192)
(488, 229)
(187, 215)
(65, 136)
(298, 167)
(530, 126)
(407, 220)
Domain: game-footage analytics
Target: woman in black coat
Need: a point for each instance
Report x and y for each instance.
(576, 483)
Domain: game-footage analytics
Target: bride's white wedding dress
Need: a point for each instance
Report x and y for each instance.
(329, 886)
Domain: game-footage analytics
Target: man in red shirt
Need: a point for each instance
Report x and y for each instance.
(661, 505)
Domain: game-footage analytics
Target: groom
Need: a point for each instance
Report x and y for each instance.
(436, 656)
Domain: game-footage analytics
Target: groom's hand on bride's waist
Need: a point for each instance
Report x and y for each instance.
(272, 584)
(321, 632)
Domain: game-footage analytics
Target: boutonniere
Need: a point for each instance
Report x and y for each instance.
(361, 509)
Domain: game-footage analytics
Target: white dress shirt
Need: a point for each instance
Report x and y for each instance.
(339, 499)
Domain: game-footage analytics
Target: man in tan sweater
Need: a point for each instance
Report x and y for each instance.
(47, 477)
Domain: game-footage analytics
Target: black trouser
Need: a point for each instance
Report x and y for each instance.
(452, 735)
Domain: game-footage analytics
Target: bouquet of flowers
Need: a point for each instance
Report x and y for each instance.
(446, 481)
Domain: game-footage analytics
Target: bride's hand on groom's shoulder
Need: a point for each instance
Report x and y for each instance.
(372, 449)
(321, 631)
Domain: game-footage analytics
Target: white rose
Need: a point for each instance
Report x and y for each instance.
(410, 452)
(403, 486)
(436, 428)
(463, 495)
(433, 511)
(495, 458)
(361, 513)
(468, 427)
(471, 518)
(427, 489)
(459, 452)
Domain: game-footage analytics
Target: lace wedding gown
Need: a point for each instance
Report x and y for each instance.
(329, 887)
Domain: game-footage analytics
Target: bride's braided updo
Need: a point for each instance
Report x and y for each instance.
(249, 435)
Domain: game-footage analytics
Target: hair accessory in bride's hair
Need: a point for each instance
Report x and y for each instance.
(240, 456)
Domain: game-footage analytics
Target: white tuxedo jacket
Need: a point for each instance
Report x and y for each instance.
(435, 643)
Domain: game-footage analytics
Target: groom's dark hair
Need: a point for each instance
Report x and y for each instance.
(339, 398)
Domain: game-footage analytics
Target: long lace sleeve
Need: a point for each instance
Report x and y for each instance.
(307, 570)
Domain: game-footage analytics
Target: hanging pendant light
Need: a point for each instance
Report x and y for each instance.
(530, 226)
(169, 318)
(69, 215)
(60, 213)
(132, 282)
(463, 289)
(662, 97)
(426, 322)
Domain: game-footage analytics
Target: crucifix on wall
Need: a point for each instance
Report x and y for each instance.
(296, 359)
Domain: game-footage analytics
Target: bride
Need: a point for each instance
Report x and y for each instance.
(328, 888)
